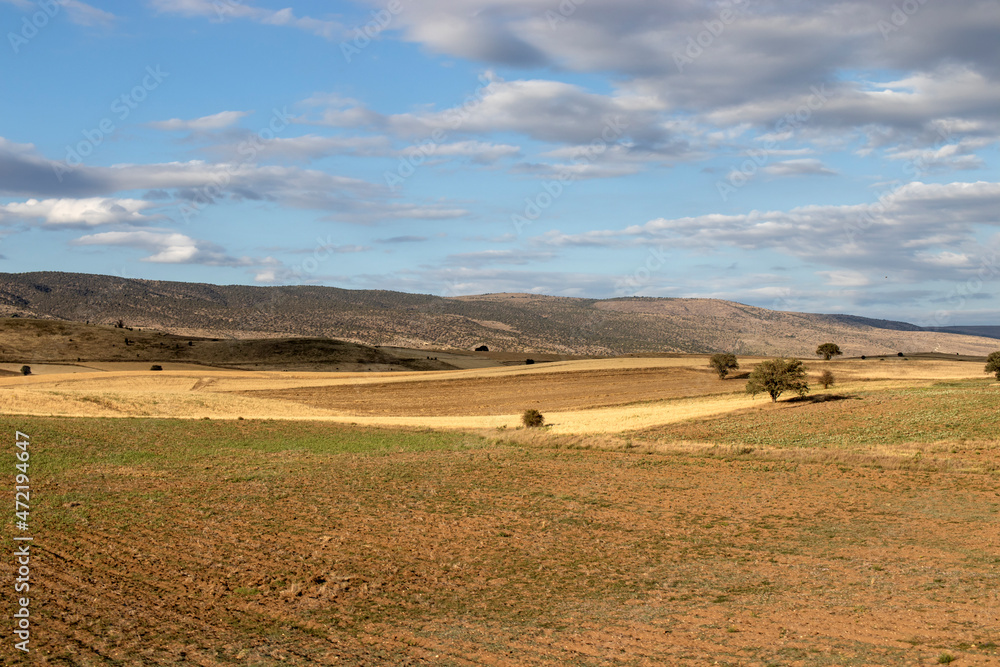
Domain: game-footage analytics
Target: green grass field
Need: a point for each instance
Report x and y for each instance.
(956, 417)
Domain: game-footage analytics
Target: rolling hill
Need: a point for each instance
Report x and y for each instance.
(504, 322)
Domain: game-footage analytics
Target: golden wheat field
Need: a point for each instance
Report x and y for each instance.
(576, 397)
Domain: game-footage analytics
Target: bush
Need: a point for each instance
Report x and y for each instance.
(826, 379)
(777, 376)
(156, 367)
(528, 362)
(993, 364)
(532, 418)
(25, 370)
(723, 363)
(828, 351)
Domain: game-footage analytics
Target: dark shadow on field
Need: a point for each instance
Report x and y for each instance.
(822, 398)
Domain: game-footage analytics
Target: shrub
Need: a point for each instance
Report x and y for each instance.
(528, 362)
(25, 370)
(826, 379)
(946, 658)
(156, 367)
(723, 363)
(777, 376)
(828, 350)
(532, 418)
(993, 364)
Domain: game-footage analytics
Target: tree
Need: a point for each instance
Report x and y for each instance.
(723, 363)
(532, 418)
(777, 376)
(993, 364)
(828, 351)
(826, 379)
(25, 370)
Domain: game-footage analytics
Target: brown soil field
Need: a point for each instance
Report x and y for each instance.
(509, 394)
(215, 543)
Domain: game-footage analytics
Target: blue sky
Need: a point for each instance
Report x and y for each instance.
(823, 157)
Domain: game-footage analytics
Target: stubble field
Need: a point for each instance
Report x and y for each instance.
(649, 526)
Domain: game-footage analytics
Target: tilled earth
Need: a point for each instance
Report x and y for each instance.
(509, 394)
(501, 555)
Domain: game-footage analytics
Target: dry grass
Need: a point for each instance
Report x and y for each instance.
(438, 397)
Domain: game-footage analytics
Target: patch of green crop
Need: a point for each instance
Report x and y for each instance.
(941, 412)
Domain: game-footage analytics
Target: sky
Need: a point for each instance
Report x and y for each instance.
(833, 157)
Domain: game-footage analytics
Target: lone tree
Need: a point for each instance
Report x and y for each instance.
(777, 376)
(25, 370)
(723, 363)
(826, 379)
(993, 364)
(828, 350)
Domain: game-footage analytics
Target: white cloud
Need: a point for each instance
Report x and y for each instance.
(79, 13)
(844, 278)
(225, 10)
(923, 231)
(197, 184)
(217, 121)
(801, 167)
(86, 15)
(168, 247)
(89, 212)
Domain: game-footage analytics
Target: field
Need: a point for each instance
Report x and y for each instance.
(231, 517)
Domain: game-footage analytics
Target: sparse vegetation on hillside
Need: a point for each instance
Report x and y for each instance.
(776, 376)
(506, 322)
(723, 362)
(52, 341)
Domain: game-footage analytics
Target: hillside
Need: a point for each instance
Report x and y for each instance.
(32, 341)
(504, 322)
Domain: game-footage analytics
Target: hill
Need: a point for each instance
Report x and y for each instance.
(33, 341)
(504, 322)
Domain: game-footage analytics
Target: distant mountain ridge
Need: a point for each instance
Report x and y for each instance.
(511, 322)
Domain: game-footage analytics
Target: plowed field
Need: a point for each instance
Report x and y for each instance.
(266, 543)
(509, 394)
